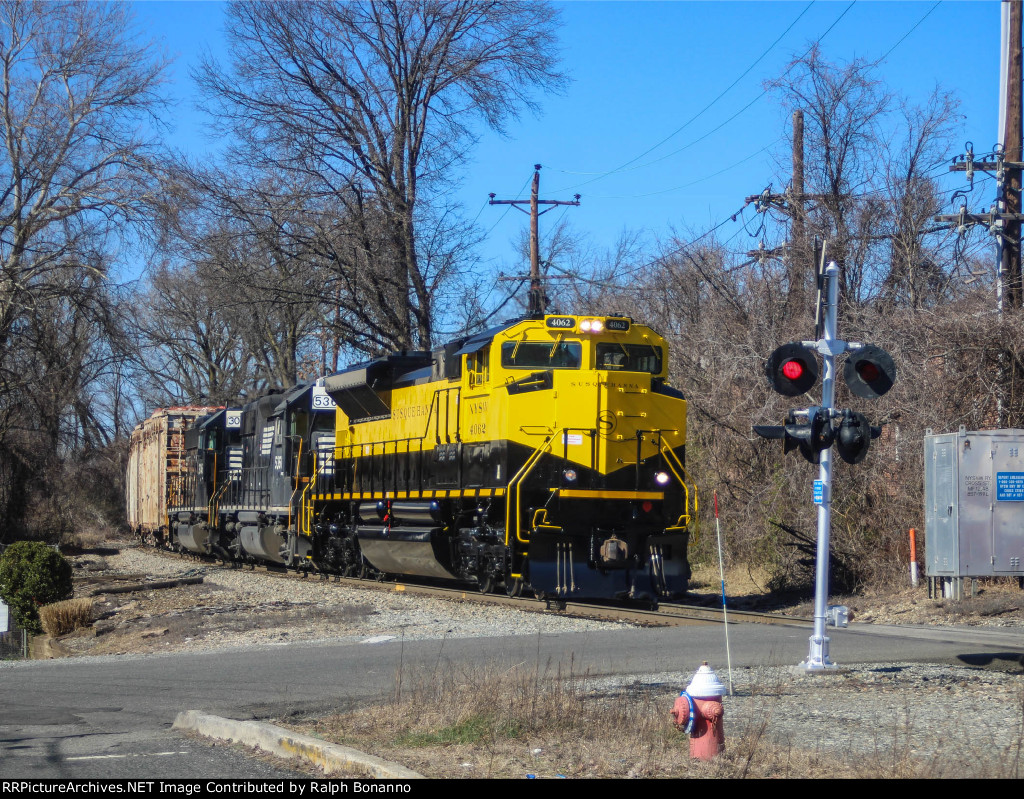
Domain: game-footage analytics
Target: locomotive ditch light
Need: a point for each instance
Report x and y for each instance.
(853, 439)
(869, 371)
(570, 475)
(792, 369)
(661, 478)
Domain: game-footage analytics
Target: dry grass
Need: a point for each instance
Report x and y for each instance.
(523, 721)
(87, 538)
(61, 618)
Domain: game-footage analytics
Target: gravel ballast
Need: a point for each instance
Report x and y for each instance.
(241, 607)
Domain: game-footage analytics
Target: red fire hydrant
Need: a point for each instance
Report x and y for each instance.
(698, 710)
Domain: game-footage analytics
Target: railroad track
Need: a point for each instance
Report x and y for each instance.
(665, 615)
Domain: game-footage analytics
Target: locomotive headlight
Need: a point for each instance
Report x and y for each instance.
(591, 325)
(661, 478)
(570, 475)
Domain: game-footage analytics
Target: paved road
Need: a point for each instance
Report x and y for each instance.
(111, 716)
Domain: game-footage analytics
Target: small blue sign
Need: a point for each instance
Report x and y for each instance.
(819, 492)
(1010, 486)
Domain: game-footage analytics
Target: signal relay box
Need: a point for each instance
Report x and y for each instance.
(973, 506)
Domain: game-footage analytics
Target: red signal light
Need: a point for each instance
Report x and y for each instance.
(793, 369)
(868, 371)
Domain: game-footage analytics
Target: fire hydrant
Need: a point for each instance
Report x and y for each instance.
(698, 710)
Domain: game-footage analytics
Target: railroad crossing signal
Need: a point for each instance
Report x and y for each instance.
(869, 371)
(808, 429)
(853, 438)
(792, 369)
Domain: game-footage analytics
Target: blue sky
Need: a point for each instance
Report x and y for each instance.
(642, 70)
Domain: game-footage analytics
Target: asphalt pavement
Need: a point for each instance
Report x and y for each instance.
(111, 716)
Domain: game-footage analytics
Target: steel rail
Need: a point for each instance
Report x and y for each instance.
(665, 615)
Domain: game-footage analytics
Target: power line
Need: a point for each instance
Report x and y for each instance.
(623, 167)
(661, 258)
(700, 113)
(905, 35)
(685, 185)
(738, 113)
(498, 222)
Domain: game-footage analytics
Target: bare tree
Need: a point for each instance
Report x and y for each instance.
(870, 173)
(74, 90)
(920, 266)
(76, 174)
(188, 349)
(844, 106)
(373, 103)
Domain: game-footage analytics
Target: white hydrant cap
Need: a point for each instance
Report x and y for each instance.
(705, 684)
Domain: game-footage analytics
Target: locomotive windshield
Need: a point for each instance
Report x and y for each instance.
(629, 358)
(540, 355)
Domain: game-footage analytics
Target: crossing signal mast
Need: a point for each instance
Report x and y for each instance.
(792, 370)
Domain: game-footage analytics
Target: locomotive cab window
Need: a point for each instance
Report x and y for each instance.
(629, 358)
(541, 355)
(476, 366)
(298, 423)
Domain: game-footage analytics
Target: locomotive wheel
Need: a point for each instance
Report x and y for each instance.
(486, 584)
(514, 586)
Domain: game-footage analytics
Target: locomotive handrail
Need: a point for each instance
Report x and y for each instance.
(291, 499)
(682, 481)
(300, 523)
(305, 508)
(213, 508)
(521, 475)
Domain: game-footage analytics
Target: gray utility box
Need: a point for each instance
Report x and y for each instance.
(973, 507)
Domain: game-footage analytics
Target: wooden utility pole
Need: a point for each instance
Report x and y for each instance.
(1010, 266)
(1005, 218)
(797, 248)
(800, 259)
(797, 187)
(538, 299)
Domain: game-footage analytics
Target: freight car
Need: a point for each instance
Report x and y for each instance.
(157, 466)
(545, 454)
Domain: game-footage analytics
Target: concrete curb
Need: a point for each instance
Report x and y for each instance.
(332, 758)
(43, 647)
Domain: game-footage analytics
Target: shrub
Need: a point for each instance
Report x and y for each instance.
(32, 574)
(65, 617)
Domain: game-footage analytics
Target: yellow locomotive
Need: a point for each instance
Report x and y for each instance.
(546, 453)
